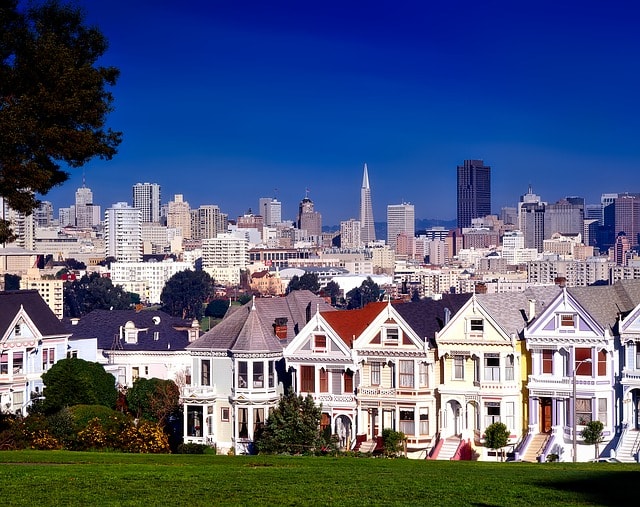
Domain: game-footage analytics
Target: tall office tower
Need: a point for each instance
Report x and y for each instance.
(308, 219)
(208, 221)
(607, 201)
(564, 216)
(627, 213)
(621, 249)
(593, 212)
(509, 215)
(22, 225)
(123, 233)
(43, 215)
(87, 214)
(271, 210)
(366, 210)
(179, 216)
(350, 233)
(474, 191)
(400, 218)
(531, 219)
(146, 198)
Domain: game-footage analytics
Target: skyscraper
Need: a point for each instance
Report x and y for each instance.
(308, 219)
(146, 198)
(474, 191)
(271, 210)
(401, 218)
(627, 214)
(179, 215)
(366, 210)
(86, 213)
(123, 233)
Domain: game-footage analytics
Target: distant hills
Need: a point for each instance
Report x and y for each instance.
(421, 224)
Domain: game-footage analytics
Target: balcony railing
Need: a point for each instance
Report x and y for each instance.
(376, 392)
(334, 398)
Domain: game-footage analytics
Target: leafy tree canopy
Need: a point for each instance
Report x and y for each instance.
(94, 292)
(593, 434)
(186, 292)
(333, 291)
(54, 100)
(11, 282)
(308, 281)
(217, 308)
(359, 297)
(292, 427)
(153, 399)
(75, 381)
(496, 436)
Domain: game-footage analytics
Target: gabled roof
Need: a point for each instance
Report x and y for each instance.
(605, 303)
(510, 310)
(251, 327)
(428, 316)
(33, 304)
(105, 326)
(350, 324)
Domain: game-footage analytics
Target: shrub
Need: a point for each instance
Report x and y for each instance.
(392, 442)
(191, 448)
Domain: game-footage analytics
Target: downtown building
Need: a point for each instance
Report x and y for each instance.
(146, 198)
(401, 218)
(368, 233)
(474, 191)
(123, 233)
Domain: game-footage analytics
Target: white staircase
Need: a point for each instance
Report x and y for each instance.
(535, 448)
(628, 446)
(449, 448)
(368, 446)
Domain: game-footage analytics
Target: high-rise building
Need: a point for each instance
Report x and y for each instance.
(401, 218)
(43, 214)
(123, 233)
(87, 214)
(179, 215)
(474, 191)
(350, 233)
(309, 219)
(208, 221)
(271, 210)
(565, 216)
(366, 210)
(627, 217)
(146, 198)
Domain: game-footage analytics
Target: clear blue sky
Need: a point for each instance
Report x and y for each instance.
(225, 102)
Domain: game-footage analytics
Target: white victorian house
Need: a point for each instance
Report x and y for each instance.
(574, 364)
(238, 370)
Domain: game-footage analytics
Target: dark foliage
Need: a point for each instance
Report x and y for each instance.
(94, 292)
(185, 294)
(359, 297)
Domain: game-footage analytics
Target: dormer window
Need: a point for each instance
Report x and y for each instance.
(17, 330)
(391, 336)
(319, 343)
(567, 320)
(476, 326)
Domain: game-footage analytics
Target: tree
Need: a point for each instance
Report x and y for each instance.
(185, 294)
(11, 282)
(308, 281)
(393, 442)
(293, 427)
(333, 291)
(75, 381)
(496, 436)
(359, 297)
(593, 434)
(54, 100)
(217, 308)
(94, 292)
(415, 296)
(153, 399)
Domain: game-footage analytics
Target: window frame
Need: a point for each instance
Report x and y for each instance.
(375, 373)
(458, 366)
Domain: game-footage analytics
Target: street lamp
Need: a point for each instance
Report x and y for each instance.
(573, 429)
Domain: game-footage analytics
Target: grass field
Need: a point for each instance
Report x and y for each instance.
(74, 478)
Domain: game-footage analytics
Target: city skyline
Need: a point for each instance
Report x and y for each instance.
(271, 100)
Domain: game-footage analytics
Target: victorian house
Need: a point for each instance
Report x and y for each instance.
(237, 370)
(32, 339)
(574, 364)
(482, 360)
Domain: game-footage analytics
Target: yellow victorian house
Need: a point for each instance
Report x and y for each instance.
(483, 362)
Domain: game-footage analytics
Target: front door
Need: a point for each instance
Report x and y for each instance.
(545, 416)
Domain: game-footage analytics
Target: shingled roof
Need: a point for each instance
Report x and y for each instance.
(251, 328)
(350, 324)
(35, 307)
(428, 316)
(105, 326)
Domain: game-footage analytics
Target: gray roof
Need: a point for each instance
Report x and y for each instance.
(173, 332)
(35, 307)
(511, 310)
(251, 327)
(605, 303)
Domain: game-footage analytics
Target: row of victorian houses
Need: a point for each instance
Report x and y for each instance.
(544, 362)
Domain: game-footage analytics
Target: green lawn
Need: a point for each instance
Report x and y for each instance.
(70, 478)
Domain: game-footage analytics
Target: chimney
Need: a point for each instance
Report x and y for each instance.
(280, 327)
(532, 309)
(560, 281)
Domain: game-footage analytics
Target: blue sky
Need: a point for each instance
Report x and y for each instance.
(227, 102)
